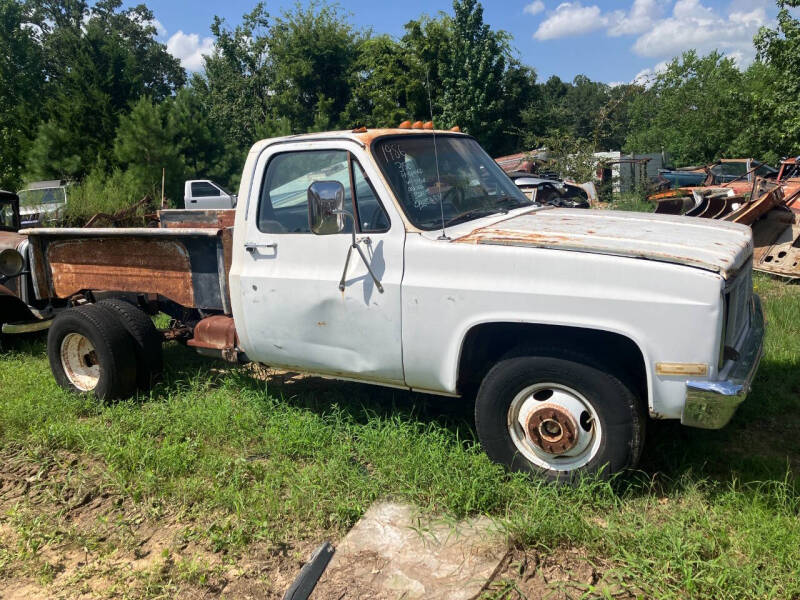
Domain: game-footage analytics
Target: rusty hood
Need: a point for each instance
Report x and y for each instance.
(10, 239)
(716, 246)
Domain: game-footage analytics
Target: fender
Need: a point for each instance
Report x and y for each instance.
(459, 340)
(12, 309)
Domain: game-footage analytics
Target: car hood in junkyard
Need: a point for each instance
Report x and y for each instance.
(9, 239)
(716, 246)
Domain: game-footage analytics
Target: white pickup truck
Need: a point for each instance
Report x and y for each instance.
(407, 258)
(204, 193)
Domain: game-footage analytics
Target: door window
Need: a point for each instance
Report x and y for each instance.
(372, 217)
(283, 206)
(203, 189)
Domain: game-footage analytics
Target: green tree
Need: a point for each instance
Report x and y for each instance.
(389, 85)
(694, 110)
(312, 52)
(427, 44)
(238, 78)
(21, 88)
(774, 89)
(97, 62)
(473, 75)
(585, 110)
(475, 82)
(145, 144)
(198, 139)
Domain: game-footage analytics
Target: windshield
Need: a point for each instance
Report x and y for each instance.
(472, 184)
(56, 195)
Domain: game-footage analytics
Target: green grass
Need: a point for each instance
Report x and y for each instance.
(241, 461)
(634, 201)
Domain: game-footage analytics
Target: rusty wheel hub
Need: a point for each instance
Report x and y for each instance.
(552, 428)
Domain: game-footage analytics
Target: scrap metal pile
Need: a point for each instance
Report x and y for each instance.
(769, 204)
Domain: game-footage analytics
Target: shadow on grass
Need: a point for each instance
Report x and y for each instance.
(34, 344)
(358, 401)
(761, 443)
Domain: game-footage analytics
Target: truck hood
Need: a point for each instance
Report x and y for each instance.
(716, 246)
(9, 239)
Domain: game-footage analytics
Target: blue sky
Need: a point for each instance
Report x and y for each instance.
(611, 40)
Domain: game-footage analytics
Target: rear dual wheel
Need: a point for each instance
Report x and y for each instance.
(99, 349)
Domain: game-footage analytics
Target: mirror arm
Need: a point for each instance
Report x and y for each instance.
(355, 245)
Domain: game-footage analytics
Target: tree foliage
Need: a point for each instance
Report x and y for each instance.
(98, 61)
(691, 110)
(88, 92)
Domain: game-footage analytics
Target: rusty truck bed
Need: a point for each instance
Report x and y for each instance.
(187, 265)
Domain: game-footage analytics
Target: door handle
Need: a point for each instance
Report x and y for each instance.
(252, 247)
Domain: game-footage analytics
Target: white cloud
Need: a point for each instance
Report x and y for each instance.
(641, 17)
(534, 8)
(190, 49)
(665, 29)
(645, 77)
(570, 19)
(161, 31)
(693, 25)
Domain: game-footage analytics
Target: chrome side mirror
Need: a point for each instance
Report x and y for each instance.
(325, 206)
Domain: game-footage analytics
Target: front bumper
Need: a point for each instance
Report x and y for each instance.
(711, 404)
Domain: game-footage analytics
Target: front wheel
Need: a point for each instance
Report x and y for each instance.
(559, 416)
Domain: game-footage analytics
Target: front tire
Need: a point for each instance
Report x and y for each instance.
(91, 352)
(558, 415)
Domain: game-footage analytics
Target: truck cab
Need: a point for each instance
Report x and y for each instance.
(204, 193)
(42, 203)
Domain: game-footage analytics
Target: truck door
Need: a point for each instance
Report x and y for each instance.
(293, 313)
(205, 194)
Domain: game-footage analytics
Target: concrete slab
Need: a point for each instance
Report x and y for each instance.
(393, 552)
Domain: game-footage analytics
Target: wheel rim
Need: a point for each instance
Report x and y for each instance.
(79, 360)
(554, 426)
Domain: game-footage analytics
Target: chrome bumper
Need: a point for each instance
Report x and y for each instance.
(711, 404)
(33, 326)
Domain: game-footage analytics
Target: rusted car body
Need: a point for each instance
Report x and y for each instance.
(185, 265)
(20, 311)
(771, 207)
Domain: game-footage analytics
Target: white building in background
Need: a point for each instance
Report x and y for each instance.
(628, 171)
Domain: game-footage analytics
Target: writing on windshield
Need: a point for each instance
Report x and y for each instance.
(468, 183)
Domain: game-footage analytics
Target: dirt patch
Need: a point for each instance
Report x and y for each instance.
(564, 574)
(64, 534)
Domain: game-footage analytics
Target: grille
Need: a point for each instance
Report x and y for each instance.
(738, 301)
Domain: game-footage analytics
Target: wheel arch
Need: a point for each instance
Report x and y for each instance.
(12, 308)
(484, 343)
